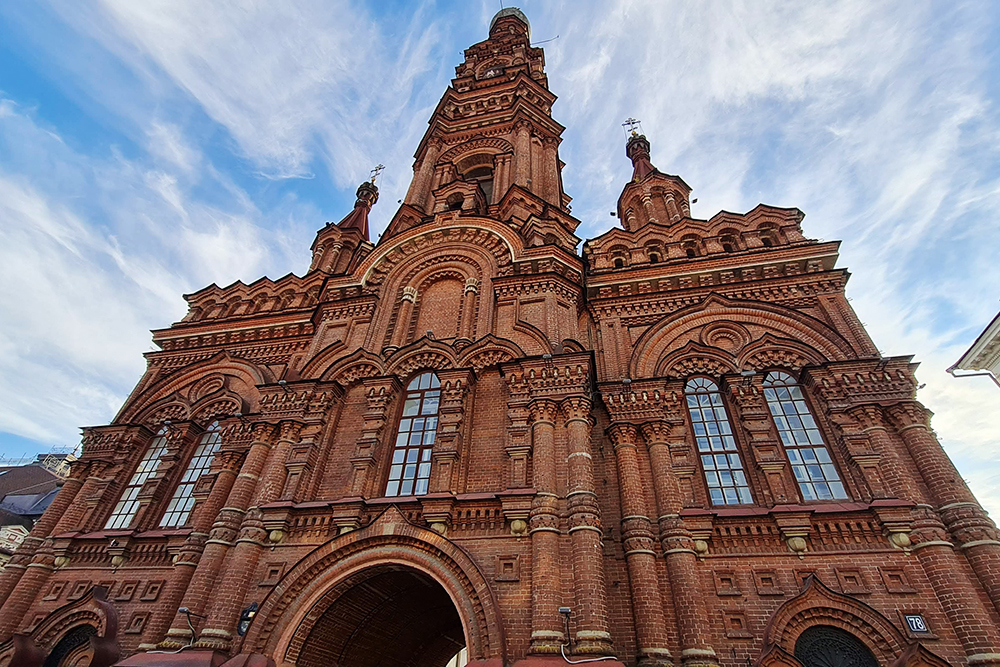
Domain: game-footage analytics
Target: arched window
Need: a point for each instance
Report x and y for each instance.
(720, 459)
(810, 459)
(410, 471)
(180, 505)
(128, 505)
(827, 646)
(619, 263)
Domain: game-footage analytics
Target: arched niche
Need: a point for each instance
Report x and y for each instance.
(758, 320)
(238, 376)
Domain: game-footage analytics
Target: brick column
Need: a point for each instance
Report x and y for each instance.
(224, 530)
(467, 323)
(406, 299)
(546, 594)
(637, 536)
(21, 579)
(678, 545)
(420, 186)
(228, 463)
(591, 618)
(241, 561)
(965, 519)
(898, 477)
(501, 177)
(960, 600)
(550, 171)
(522, 153)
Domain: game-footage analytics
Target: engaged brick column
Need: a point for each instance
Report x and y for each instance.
(898, 477)
(958, 597)
(678, 546)
(403, 317)
(546, 594)
(522, 153)
(964, 518)
(228, 463)
(637, 536)
(591, 618)
(224, 530)
(241, 561)
(23, 576)
(420, 186)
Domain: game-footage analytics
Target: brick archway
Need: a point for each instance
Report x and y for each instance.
(379, 571)
(384, 614)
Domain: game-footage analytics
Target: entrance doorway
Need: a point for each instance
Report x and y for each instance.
(387, 616)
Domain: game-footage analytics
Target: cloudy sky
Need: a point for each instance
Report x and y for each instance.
(149, 149)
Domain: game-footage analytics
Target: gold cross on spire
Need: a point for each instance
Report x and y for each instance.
(376, 171)
(630, 124)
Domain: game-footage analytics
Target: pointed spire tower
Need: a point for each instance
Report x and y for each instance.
(491, 148)
(335, 246)
(651, 196)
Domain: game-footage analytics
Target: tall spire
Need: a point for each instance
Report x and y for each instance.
(358, 218)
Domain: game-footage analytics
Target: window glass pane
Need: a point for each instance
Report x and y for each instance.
(179, 510)
(724, 473)
(125, 509)
(415, 439)
(802, 439)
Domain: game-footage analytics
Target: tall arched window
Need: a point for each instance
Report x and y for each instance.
(128, 505)
(410, 471)
(720, 458)
(814, 470)
(180, 505)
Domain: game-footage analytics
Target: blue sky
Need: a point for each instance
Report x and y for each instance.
(149, 149)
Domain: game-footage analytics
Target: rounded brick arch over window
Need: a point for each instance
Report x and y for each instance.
(410, 468)
(814, 470)
(720, 458)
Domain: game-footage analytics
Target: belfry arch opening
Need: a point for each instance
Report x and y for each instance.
(387, 615)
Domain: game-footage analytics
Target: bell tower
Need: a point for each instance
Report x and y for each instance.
(492, 146)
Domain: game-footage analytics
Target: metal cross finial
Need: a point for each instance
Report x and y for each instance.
(376, 171)
(630, 124)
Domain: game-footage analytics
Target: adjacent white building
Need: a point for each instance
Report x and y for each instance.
(984, 355)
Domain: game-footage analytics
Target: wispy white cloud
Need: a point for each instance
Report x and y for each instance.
(878, 121)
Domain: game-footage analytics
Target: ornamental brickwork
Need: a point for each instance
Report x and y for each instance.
(676, 447)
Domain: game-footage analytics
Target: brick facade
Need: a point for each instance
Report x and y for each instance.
(571, 462)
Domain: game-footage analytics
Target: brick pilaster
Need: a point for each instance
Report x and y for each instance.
(678, 544)
(637, 536)
(224, 530)
(227, 464)
(241, 561)
(969, 525)
(546, 591)
(969, 618)
(592, 629)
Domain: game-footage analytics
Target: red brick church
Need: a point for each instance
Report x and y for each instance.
(676, 447)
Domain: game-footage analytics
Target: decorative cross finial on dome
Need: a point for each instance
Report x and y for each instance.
(376, 172)
(630, 126)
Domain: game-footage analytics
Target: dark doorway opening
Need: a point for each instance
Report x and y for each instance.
(391, 617)
(827, 646)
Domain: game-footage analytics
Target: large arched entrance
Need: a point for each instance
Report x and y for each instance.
(384, 616)
(390, 594)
